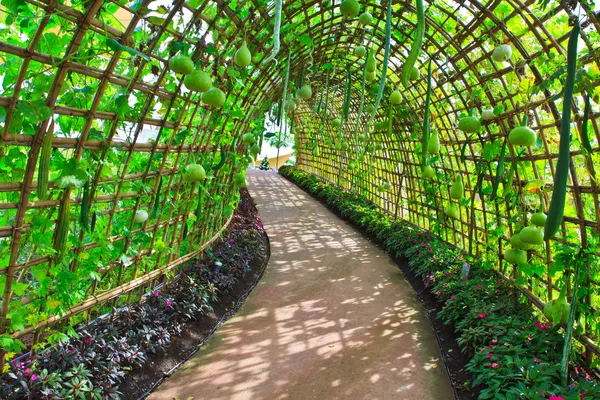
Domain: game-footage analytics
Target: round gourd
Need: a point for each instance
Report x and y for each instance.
(338, 146)
(365, 18)
(517, 243)
(141, 216)
(488, 115)
(369, 108)
(378, 146)
(560, 307)
(396, 97)
(415, 74)
(452, 211)
(297, 101)
(370, 76)
(370, 148)
(351, 166)
(361, 138)
(248, 138)
(305, 92)
(457, 189)
(539, 219)
(434, 143)
(532, 235)
(255, 149)
(522, 136)
(198, 81)
(213, 97)
(349, 8)
(290, 105)
(242, 57)
(360, 51)
(502, 53)
(336, 123)
(428, 172)
(181, 64)
(387, 186)
(344, 145)
(515, 256)
(194, 173)
(361, 157)
(469, 124)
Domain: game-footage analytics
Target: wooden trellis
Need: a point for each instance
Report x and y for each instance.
(100, 104)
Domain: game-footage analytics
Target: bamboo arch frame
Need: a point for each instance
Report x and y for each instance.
(333, 39)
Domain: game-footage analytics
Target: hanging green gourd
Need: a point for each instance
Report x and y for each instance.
(360, 51)
(386, 57)
(457, 189)
(522, 135)
(415, 49)
(305, 92)
(242, 57)
(396, 97)
(469, 124)
(434, 143)
(559, 192)
(371, 62)
(349, 8)
(426, 121)
(276, 31)
(214, 97)
(181, 64)
(365, 18)
(198, 81)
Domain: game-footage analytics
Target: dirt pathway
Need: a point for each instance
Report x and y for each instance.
(333, 318)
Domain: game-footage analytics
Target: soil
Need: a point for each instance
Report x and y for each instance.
(454, 360)
(140, 382)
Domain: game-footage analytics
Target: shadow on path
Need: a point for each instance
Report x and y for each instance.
(333, 318)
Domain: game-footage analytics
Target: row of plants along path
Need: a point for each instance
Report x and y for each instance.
(512, 353)
(143, 341)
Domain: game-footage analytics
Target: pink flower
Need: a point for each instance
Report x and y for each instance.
(489, 356)
(89, 340)
(434, 258)
(556, 398)
(35, 378)
(168, 303)
(27, 371)
(537, 360)
(438, 293)
(156, 294)
(452, 297)
(481, 316)
(495, 365)
(232, 240)
(494, 340)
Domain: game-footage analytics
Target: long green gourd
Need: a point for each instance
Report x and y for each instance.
(283, 101)
(416, 46)
(347, 93)
(426, 121)
(559, 192)
(386, 57)
(276, 30)
(585, 139)
(499, 172)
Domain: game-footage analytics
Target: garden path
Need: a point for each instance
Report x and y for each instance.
(332, 318)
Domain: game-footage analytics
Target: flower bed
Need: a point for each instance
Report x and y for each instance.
(93, 363)
(513, 354)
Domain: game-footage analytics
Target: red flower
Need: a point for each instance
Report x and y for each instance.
(489, 356)
(452, 297)
(438, 293)
(481, 316)
(495, 365)
(556, 398)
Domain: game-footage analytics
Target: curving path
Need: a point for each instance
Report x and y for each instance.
(333, 318)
